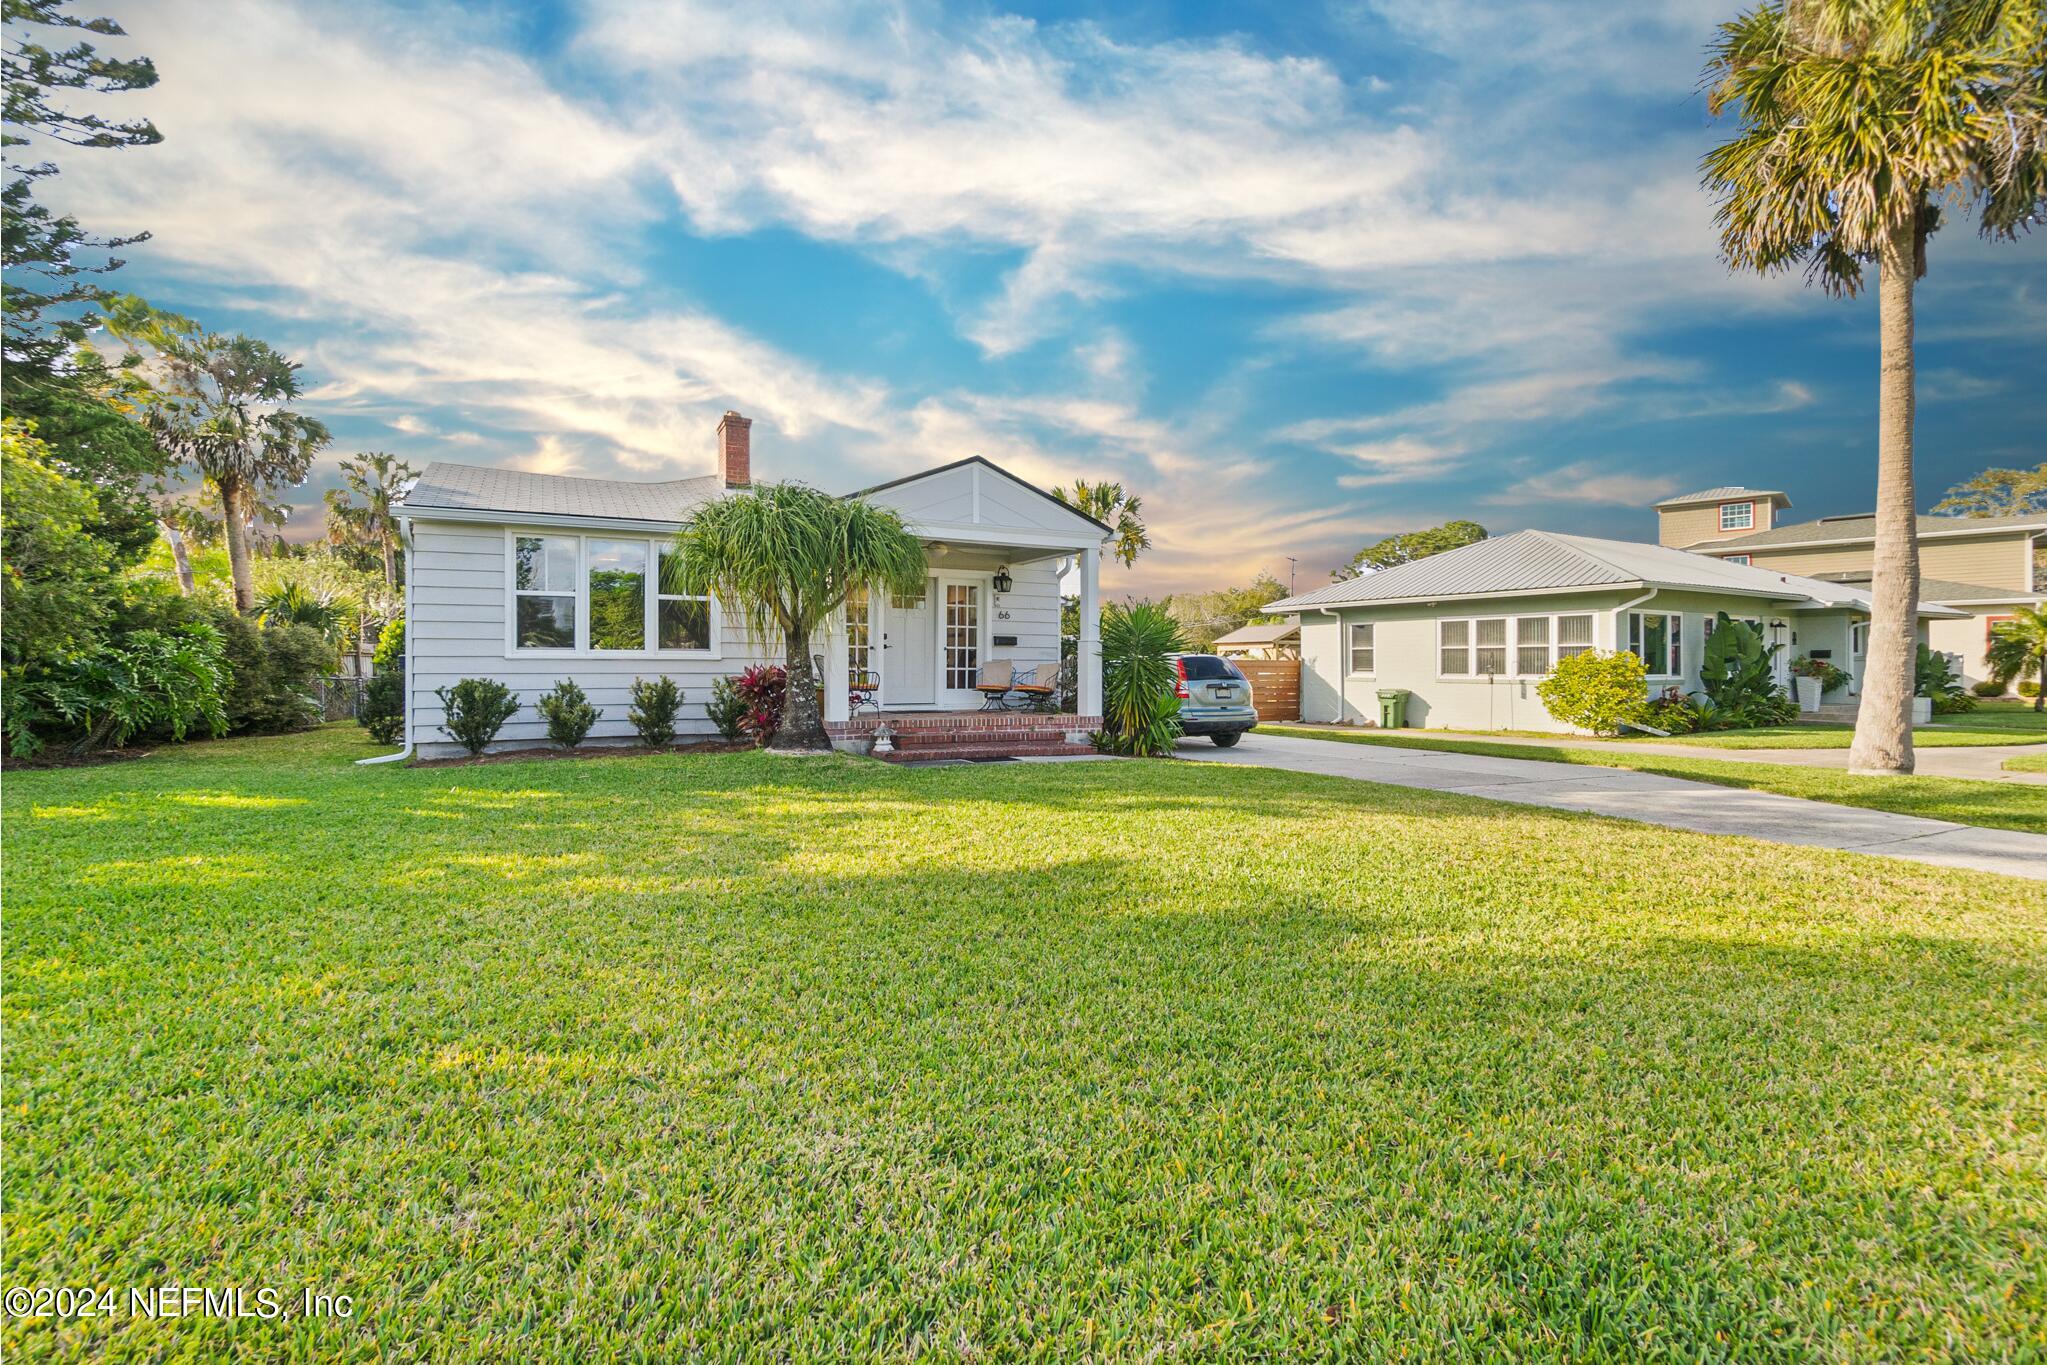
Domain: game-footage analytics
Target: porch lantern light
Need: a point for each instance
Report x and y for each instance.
(1003, 582)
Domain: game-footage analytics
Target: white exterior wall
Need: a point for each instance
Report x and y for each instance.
(1405, 640)
(1969, 639)
(458, 601)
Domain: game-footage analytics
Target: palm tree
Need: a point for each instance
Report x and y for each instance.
(1106, 503)
(379, 480)
(219, 408)
(786, 555)
(1856, 116)
(2018, 650)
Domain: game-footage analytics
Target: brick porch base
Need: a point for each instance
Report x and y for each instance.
(965, 734)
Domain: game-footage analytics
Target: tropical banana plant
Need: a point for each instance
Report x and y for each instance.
(1739, 681)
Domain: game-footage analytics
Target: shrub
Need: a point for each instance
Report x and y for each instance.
(727, 708)
(2029, 689)
(148, 680)
(653, 710)
(1140, 713)
(477, 708)
(1597, 691)
(275, 668)
(569, 714)
(390, 651)
(1673, 712)
(382, 712)
(763, 688)
(1989, 687)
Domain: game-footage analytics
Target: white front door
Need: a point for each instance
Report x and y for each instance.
(909, 644)
(1858, 654)
(962, 603)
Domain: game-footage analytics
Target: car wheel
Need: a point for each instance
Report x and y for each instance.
(1224, 741)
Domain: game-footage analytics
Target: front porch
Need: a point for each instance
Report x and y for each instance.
(998, 550)
(921, 735)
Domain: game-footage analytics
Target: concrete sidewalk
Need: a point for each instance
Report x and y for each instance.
(1978, 763)
(1649, 797)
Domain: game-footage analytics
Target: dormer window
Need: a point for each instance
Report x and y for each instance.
(1737, 516)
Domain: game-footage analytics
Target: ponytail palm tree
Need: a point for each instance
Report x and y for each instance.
(1858, 120)
(785, 556)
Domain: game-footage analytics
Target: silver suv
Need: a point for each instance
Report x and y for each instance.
(1215, 698)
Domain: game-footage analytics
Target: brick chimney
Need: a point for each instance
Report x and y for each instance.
(735, 450)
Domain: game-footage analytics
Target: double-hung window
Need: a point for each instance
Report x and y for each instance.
(1658, 641)
(1490, 654)
(1453, 642)
(1531, 646)
(544, 592)
(1574, 635)
(681, 620)
(593, 594)
(1737, 516)
(1363, 656)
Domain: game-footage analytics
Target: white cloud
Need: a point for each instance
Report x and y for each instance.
(1584, 483)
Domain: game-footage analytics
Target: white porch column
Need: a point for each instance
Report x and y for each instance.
(1090, 655)
(835, 702)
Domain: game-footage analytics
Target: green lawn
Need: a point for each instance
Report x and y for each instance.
(1997, 805)
(755, 1057)
(2026, 763)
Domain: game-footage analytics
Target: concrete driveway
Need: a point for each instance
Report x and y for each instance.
(1648, 797)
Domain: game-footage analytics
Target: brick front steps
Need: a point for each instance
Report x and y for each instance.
(921, 736)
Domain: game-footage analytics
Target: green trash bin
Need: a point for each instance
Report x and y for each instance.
(1393, 708)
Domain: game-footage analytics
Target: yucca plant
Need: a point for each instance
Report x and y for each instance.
(784, 555)
(1140, 713)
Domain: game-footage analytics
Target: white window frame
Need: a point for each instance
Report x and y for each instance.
(1671, 666)
(1513, 645)
(1371, 648)
(581, 592)
(1748, 521)
(1739, 559)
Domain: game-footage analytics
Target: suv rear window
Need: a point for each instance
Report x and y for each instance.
(1208, 667)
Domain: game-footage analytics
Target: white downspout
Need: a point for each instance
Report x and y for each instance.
(405, 752)
(1342, 665)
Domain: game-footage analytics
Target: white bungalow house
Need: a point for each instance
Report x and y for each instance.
(1470, 632)
(503, 568)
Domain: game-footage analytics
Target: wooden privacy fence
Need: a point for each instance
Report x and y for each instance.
(1275, 686)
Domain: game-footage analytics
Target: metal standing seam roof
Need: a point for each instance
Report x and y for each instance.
(1832, 529)
(1734, 492)
(1261, 634)
(1547, 561)
(481, 488)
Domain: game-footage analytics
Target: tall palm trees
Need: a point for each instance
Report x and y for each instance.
(220, 407)
(785, 555)
(1107, 503)
(1857, 117)
(378, 479)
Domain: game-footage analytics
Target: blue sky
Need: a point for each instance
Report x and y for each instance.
(1302, 276)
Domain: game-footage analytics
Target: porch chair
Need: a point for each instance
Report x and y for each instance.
(1036, 686)
(993, 682)
(860, 689)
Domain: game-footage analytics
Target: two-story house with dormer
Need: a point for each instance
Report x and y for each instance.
(1984, 566)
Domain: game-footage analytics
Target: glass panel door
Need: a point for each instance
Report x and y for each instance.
(962, 636)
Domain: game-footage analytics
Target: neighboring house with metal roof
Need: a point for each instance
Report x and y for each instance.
(530, 579)
(1276, 640)
(1470, 632)
(1988, 566)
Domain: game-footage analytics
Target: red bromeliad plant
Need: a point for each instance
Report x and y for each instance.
(763, 688)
